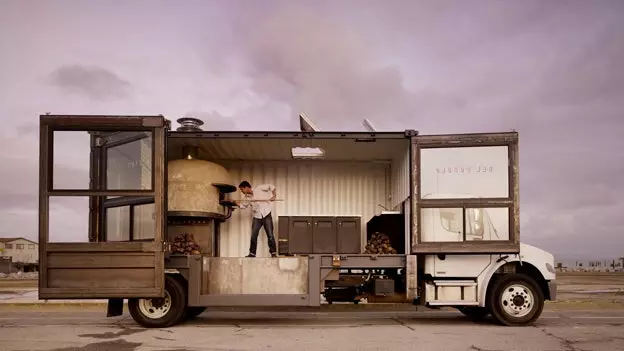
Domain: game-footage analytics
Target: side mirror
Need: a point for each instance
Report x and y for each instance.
(475, 220)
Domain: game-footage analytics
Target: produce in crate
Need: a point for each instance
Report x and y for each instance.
(379, 244)
(185, 244)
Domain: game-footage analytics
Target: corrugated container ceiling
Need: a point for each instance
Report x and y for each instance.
(255, 149)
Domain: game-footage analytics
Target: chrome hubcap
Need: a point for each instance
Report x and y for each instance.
(517, 300)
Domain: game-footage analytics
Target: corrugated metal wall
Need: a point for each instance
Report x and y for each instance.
(400, 189)
(308, 188)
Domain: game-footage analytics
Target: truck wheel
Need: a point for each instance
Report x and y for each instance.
(160, 312)
(515, 300)
(192, 312)
(475, 313)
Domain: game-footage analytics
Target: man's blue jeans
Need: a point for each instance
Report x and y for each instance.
(267, 223)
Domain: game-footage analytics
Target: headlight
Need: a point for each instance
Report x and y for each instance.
(550, 268)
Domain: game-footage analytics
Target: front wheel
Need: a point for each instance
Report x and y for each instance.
(515, 300)
(160, 312)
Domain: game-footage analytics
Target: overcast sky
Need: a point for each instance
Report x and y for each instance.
(552, 70)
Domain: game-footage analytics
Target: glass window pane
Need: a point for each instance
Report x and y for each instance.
(464, 172)
(144, 222)
(441, 225)
(118, 224)
(69, 220)
(485, 224)
(482, 224)
(71, 160)
(129, 165)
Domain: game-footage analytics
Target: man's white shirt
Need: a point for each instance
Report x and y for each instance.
(260, 209)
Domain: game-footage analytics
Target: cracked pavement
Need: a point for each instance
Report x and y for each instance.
(89, 330)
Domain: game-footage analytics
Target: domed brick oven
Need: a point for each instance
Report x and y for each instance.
(196, 197)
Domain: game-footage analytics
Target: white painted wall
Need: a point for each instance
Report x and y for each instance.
(400, 187)
(314, 188)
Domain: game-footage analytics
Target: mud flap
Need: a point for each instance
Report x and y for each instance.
(115, 307)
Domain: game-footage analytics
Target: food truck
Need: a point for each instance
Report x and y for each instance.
(360, 217)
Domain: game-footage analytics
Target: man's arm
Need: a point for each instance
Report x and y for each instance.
(242, 204)
(271, 188)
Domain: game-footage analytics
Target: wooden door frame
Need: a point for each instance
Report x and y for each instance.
(511, 246)
(49, 124)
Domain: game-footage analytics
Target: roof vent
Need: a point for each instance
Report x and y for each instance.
(189, 124)
(306, 125)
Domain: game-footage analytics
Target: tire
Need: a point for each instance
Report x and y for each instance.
(474, 313)
(193, 312)
(161, 313)
(515, 300)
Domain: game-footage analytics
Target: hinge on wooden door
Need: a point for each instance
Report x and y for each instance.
(166, 247)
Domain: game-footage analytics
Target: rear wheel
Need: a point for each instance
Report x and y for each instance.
(476, 313)
(515, 300)
(160, 312)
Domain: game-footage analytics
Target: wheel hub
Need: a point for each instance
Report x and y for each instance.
(155, 308)
(517, 300)
(158, 302)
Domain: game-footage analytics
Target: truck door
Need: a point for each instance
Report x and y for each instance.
(120, 252)
(465, 190)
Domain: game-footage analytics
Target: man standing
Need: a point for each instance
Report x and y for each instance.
(259, 198)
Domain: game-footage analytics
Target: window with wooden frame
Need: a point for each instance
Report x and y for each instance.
(127, 160)
(465, 190)
(91, 167)
(120, 189)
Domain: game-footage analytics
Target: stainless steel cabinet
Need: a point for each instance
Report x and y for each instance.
(311, 235)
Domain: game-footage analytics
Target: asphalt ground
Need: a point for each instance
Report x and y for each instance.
(65, 328)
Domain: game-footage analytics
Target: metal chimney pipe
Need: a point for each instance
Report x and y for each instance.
(189, 124)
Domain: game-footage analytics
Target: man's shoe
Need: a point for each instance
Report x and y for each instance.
(273, 255)
(251, 255)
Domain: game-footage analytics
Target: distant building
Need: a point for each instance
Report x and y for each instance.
(20, 251)
(592, 265)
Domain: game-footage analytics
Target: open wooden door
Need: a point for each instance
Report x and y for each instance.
(122, 253)
(465, 194)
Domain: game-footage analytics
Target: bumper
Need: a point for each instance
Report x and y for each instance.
(552, 290)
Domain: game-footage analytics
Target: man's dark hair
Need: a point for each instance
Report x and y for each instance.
(244, 184)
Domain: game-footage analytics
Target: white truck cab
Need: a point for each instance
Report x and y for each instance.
(512, 287)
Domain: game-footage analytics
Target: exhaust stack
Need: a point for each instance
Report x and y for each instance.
(189, 124)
